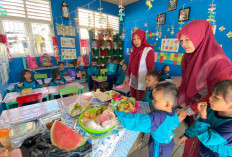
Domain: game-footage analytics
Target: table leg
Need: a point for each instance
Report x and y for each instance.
(80, 90)
(94, 88)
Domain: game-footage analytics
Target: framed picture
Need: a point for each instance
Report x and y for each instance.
(184, 14)
(161, 18)
(172, 5)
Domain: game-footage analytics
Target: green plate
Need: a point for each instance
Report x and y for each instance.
(91, 130)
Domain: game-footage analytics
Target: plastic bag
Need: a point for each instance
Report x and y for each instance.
(40, 146)
(77, 107)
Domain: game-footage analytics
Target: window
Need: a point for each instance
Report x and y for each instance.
(27, 25)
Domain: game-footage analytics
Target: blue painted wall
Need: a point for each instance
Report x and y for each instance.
(137, 15)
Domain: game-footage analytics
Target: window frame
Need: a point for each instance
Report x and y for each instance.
(28, 30)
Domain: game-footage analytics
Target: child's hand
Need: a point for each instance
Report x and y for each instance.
(56, 81)
(61, 82)
(202, 107)
(126, 81)
(20, 85)
(182, 139)
(167, 74)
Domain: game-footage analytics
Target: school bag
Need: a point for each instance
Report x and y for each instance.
(70, 73)
(78, 74)
(31, 62)
(45, 60)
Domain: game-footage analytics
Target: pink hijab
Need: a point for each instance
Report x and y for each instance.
(136, 55)
(204, 64)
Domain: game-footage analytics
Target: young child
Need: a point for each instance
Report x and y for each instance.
(161, 123)
(27, 81)
(121, 73)
(57, 79)
(61, 69)
(152, 79)
(112, 69)
(165, 73)
(92, 72)
(214, 127)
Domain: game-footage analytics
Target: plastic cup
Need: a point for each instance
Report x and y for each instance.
(5, 139)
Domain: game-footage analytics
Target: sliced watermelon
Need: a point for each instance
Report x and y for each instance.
(65, 138)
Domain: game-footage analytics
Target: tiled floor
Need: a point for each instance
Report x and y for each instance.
(178, 149)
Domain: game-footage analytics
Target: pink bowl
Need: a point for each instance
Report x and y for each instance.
(136, 105)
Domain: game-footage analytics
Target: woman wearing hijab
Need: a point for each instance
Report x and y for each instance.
(204, 63)
(142, 60)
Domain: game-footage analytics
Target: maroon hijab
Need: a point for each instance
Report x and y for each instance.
(136, 55)
(205, 63)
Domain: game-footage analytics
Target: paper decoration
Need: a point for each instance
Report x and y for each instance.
(211, 16)
(121, 9)
(148, 3)
(229, 35)
(135, 28)
(69, 53)
(170, 45)
(67, 42)
(214, 28)
(169, 58)
(172, 32)
(222, 28)
(65, 30)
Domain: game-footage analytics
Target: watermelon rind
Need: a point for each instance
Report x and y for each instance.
(64, 141)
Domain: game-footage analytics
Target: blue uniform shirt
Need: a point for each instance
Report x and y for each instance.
(52, 82)
(120, 76)
(215, 134)
(164, 76)
(148, 98)
(33, 84)
(93, 70)
(61, 72)
(112, 68)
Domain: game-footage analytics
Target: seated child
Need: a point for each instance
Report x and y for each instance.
(112, 69)
(57, 79)
(214, 127)
(152, 79)
(121, 73)
(92, 72)
(165, 73)
(61, 69)
(161, 123)
(27, 81)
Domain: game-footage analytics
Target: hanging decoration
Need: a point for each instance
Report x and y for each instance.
(3, 11)
(172, 30)
(121, 9)
(229, 34)
(222, 28)
(76, 20)
(65, 10)
(158, 28)
(148, 3)
(211, 17)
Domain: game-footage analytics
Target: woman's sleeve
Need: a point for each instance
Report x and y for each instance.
(150, 60)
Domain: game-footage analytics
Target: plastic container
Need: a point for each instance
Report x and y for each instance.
(91, 130)
(136, 105)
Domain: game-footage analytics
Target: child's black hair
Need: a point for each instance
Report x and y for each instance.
(224, 89)
(94, 60)
(23, 72)
(59, 63)
(155, 74)
(115, 58)
(55, 73)
(169, 89)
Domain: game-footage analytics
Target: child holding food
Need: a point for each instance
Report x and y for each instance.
(161, 123)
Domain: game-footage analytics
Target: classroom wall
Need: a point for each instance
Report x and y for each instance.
(137, 15)
(16, 65)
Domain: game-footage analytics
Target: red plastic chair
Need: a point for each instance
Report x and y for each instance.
(29, 98)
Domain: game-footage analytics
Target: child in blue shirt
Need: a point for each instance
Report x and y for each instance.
(214, 127)
(92, 72)
(112, 69)
(61, 69)
(57, 80)
(121, 73)
(161, 123)
(152, 79)
(165, 73)
(27, 81)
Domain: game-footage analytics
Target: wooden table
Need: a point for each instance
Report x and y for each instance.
(10, 87)
(55, 90)
(10, 98)
(99, 81)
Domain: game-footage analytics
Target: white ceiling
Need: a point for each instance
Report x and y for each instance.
(125, 3)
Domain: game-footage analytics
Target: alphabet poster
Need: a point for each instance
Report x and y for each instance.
(68, 42)
(170, 45)
(69, 53)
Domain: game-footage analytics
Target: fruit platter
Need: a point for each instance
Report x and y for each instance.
(124, 104)
(97, 120)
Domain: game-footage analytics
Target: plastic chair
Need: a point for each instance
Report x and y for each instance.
(103, 72)
(29, 98)
(68, 90)
(41, 76)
